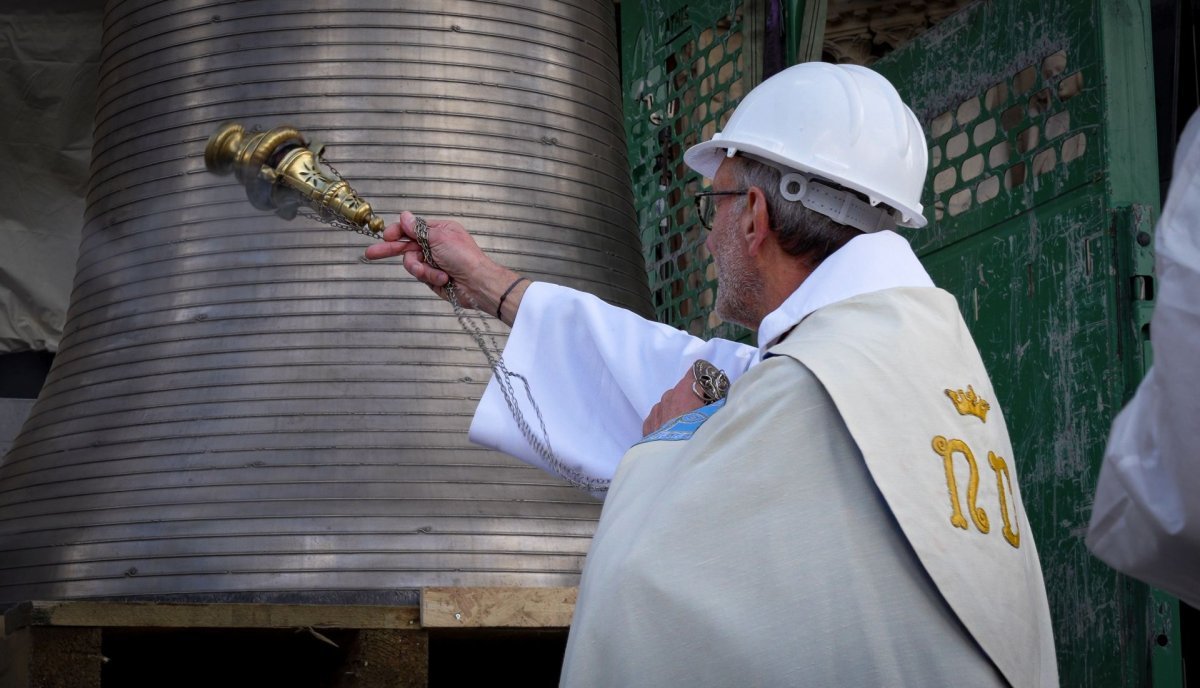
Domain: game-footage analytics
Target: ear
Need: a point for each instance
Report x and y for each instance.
(756, 224)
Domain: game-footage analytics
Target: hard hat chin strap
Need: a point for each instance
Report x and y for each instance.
(842, 206)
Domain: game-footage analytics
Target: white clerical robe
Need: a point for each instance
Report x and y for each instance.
(596, 371)
(1146, 517)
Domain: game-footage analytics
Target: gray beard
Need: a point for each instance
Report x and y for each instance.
(739, 291)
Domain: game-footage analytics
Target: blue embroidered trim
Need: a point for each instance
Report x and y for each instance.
(683, 427)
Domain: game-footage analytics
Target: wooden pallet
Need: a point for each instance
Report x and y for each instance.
(77, 644)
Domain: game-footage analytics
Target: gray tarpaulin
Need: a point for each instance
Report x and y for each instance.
(49, 61)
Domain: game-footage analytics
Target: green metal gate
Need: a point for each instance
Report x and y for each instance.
(1041, 194)
(1042, 188)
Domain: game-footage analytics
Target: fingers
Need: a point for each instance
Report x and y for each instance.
(685, 382)
(389, 248)
(408, 225)
(414, 260)
(400, 238)
(658, 414)
(393, 232)
(674, 402)
(414, 263)
(651, 423)
(395, 240)
(405, 228)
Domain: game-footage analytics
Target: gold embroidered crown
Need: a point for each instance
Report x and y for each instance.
(969, 403)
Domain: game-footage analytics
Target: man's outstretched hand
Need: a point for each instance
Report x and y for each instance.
(479, 281)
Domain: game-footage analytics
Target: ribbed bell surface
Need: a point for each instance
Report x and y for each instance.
(243, 409)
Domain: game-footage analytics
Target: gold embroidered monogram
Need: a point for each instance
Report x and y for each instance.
(969, 403)
(947, 448)
(999, 466)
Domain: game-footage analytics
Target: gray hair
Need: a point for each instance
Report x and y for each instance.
(801, 232)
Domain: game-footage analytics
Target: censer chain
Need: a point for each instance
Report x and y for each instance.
(479, 330)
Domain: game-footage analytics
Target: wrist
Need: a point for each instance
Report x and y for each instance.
(510, 304)
(504, 295)
(492, 286)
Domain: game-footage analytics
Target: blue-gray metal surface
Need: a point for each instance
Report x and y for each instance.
(241, 408)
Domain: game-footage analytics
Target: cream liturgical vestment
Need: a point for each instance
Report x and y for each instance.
(788, 536)
(849, 515)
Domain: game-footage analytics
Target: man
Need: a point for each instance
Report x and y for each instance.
(1146, 517)
(848, 514)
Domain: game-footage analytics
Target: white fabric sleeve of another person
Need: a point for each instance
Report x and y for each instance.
(595, 371)
(1146, 516)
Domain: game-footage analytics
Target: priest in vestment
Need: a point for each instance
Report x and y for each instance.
(847, 511)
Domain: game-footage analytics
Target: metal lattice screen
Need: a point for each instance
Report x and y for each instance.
(685, 67)
(1019, 142)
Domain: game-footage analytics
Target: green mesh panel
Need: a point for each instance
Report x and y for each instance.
(1009, 139)
(685, 66)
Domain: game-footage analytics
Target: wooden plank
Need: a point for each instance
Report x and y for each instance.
(203, 615)
(497, 607)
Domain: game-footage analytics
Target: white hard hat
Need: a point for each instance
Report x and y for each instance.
(843, 123)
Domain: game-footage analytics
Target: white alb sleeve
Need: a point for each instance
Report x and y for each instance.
(595, 371)
(1146, 516)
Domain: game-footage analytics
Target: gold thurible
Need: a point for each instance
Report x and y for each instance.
(280, 172)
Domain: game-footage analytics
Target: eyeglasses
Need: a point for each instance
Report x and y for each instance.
(706, 205)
